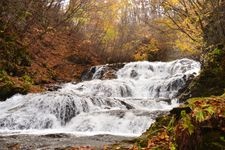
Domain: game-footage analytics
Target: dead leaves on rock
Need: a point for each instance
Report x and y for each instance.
(162, 139)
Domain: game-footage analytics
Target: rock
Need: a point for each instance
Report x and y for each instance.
(128, 106)
(133, 74)
(111, 74)
(52, 87)
(103, 72)
(58, 142)
(58, 135)
(184, 93)
(14, 147)
(87, 74)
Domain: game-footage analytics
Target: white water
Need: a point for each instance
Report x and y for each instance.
(123, 106)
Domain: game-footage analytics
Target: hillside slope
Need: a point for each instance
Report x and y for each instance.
(56, 57)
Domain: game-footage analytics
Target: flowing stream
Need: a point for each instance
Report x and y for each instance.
(123, 106)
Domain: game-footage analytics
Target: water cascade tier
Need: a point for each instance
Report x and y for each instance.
(126, 105)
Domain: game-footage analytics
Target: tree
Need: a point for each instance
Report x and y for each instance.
(190, 17)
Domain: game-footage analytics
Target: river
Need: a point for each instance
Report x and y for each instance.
(125, 106)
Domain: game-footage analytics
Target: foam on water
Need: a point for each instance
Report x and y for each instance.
(123, 106)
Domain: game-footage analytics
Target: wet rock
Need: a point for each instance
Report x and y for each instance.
(151, 68)
(52, 87)
(133, 74)
(58, 142)
(61, 135)
(128, 106)
(184, 93)
(103, 72)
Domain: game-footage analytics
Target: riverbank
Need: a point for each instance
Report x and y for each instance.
(58, 141)
(198, 124)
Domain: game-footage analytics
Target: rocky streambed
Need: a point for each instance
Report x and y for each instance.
(58, 141)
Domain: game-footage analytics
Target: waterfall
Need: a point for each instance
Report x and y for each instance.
(126, 105)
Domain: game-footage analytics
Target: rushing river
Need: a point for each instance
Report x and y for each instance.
(123, 106)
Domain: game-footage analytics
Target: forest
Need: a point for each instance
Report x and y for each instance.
(47, 43)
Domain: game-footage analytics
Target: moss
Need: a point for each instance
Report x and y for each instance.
(9, 87)
(27, 82)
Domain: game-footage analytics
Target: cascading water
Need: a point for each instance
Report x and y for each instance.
(124, 106)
